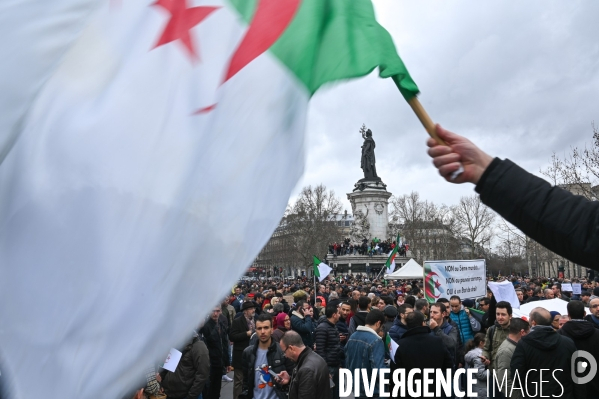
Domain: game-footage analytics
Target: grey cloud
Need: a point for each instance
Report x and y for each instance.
(520, 79)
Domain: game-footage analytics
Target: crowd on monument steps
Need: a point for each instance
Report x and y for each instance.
(368, 247)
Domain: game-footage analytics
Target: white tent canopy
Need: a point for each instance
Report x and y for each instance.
(411, 270)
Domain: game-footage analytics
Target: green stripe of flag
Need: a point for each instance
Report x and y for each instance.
(330, 40)
(316, 263)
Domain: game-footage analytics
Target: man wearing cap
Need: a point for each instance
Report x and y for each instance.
(241, 330)
(390, 313)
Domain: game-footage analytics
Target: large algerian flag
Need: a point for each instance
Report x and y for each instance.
(390, 263)
(321, 270)
(136, 139)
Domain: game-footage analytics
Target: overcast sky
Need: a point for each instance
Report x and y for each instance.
(520, 79)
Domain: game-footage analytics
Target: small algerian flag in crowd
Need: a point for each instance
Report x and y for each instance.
(321, 270)
(392, 345)
(390, 264)
(128, 130)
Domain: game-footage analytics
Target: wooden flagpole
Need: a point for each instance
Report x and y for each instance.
(426, 120)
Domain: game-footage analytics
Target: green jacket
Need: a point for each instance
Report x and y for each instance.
(499, 335)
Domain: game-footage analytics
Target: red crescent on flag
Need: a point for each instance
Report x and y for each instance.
(271, 19)
(430, 291)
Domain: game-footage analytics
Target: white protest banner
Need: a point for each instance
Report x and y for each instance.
(567, 287)
(504, 291)
(576, 288)
(172, 360)
(444, 278)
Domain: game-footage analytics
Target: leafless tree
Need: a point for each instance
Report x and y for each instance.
(511, 248)
(428, 228)
(579, 170)
(474, 222)
(310, 223)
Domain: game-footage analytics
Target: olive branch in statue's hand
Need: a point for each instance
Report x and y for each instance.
(363, 130)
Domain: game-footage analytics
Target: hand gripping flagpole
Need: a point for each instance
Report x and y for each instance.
(429, 126)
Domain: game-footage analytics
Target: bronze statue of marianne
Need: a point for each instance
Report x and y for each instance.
(368, 160)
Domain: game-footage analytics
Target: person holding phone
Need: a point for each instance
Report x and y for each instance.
(302, 322)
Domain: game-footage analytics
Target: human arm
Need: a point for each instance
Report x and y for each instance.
(320, 341)
(352, 327)
(377, 359)
(502, 367)
(474, 324)
(482, 373)
(560, 221)
(518, 361)
(450, 339)
(555, 218)
(487, 348)
(245, 361)
(302, 325)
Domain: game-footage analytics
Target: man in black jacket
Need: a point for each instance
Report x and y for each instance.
(359, 319)
(192, 372)
(310, 377)
(241, 330)
(544, 349)
(217, 340)
(399, 327)
(258, 359)
(419, 349)
(328, 345)
(555, 218)
(586, 338)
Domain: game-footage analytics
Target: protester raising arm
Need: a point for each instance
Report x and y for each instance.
(560, 221)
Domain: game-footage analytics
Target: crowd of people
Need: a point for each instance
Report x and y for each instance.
(283, 340)
(368, 247)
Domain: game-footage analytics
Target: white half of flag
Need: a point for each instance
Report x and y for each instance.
(392, 265)
(115, 195)
(324, 270)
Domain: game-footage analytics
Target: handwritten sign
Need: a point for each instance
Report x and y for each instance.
(444, 278)
(567, 287)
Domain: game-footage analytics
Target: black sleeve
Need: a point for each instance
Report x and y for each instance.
(564, 223)
(237, 332)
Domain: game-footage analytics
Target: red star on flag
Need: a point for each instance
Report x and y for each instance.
(181, 21)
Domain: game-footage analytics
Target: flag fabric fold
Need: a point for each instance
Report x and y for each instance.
(321, 270)
(135, 138)
(390, 263)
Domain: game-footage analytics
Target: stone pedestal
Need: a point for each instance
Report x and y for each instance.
(371, 198)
